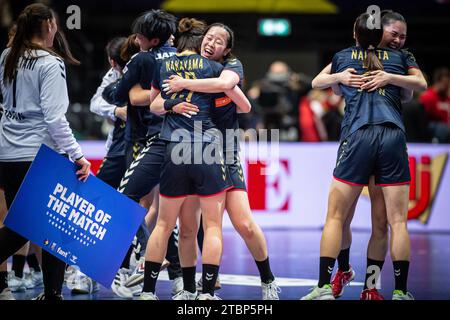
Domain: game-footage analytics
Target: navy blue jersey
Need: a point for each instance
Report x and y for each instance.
(117, 147)
(189, 66)
(380, 106)
(140, 69)
(225, 114)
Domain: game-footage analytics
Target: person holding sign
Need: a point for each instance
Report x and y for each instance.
(33, 84)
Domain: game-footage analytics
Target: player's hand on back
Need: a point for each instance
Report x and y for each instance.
(186, 109)
(375, 79)
(351, 78)
(173, 84)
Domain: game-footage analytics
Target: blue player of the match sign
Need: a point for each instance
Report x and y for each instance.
(88, 224)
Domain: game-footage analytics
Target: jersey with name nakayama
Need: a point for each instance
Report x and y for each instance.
(380, 106)
(225, 114)
(200, 127)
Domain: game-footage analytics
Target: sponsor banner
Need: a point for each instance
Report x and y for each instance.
(288, 185)
(88, 224)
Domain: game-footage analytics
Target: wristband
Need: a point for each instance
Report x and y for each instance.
(170, 103)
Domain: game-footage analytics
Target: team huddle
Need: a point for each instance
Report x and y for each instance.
(174, 148)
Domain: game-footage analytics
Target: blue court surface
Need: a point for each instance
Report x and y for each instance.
(294, 259)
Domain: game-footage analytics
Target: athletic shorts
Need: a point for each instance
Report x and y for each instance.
(144, 173)
(236, 172)
(132, 150)
(112, 170)
(378, 150)
(185, 171)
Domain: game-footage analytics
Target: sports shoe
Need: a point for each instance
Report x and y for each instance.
(16, 284)
(340, 280)
(270, 291)
(207, 296)
(42, 296)
(199, 285)
(34, 279)
(70, 271)
(137, 277)
(185, 295)
(177, 285)
(371, 294)
(118, 285)
(148, 296)
(324, 293)
(6, 294)
(400, 295)
(85, 285)
(135, 254)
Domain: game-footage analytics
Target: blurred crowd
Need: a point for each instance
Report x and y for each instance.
(283, 99)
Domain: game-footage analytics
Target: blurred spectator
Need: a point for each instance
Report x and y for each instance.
(415, 120)
(320, 116)
(275, 97)
(436, 101)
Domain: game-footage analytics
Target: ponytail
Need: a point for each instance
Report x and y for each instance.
(368, 39)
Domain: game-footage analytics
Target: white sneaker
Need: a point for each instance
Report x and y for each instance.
(70, 271)
(324, 293)
(73, 278)
(217, 286)
(185, 295)
(35, 278)
(148, 296)
(85, 285)
(270, 291)
(135, 256)
(137, 277)
(118, 285)
(207, 296)
(400, 295)
(177, 285)
(16, 284)
(6, 294)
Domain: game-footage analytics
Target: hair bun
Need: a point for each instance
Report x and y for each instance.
(185, 25)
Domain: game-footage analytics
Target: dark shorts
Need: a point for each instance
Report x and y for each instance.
(186, 177)
(144, 173)
(378, 150)
(13, 174)
(112, 170)
(236, 172)
(132, 150)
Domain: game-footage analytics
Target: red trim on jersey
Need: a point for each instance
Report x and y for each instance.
(350, 183)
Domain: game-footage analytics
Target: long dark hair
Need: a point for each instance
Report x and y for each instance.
(230, 41)
(29, 24)
(368, 39)
(113, 49)
(190, 34)
(128, 49)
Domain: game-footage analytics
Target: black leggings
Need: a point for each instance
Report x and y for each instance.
(53, 269)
